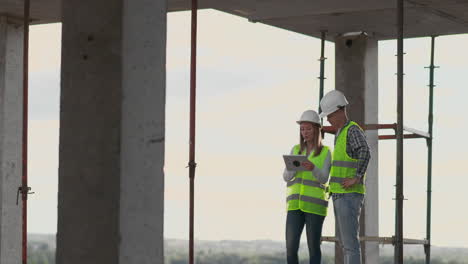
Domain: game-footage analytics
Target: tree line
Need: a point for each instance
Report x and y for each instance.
(40, 253)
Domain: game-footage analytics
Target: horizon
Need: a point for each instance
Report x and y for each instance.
(274, 241)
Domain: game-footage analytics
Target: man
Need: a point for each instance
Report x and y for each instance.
(351, 156)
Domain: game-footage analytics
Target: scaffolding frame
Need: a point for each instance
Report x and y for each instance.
(193, 89)
(24, 190)
(398, 240)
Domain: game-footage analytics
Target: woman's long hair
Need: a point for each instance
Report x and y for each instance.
(317, 140)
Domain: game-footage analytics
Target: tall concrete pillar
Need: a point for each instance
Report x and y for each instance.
(112, 124)
(356, 73)
(11, 129)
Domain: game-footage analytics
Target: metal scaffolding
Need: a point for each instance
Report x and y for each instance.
(398, 239)
(192, 165)
(24, 189)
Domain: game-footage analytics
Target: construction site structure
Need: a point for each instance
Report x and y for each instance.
(112, 111)
(397, 240)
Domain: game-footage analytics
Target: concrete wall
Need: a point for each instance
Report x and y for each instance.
(356, 73)
(111, 182)
(11, 129)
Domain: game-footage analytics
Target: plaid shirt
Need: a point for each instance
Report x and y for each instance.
(357, 148)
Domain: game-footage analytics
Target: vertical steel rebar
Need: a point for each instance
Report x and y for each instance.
(427, 247)
(399, 157)
(24, 180)
(192, 164)
(322, 68)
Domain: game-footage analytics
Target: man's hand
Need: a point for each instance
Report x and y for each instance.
(349, 182)
(308, 165)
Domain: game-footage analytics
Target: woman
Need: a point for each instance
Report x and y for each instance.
(307, 197)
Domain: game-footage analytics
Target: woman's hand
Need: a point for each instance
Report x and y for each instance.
(308, 165)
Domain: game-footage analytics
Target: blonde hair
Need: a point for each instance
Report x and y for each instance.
(317, 140)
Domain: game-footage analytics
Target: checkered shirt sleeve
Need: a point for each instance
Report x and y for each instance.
(357, 148)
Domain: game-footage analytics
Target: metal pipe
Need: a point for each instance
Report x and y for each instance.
(378, 126)
(24, 181)
(409, 136)
(427, 247)
(322, 68)
(399, 133)
(192, 164)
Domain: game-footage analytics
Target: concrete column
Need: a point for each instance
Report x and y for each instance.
(112, 124)
(11, 129)
(356, 73)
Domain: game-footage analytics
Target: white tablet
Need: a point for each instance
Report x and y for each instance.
(293, 162)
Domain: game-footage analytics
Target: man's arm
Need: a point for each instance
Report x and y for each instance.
(359, 149)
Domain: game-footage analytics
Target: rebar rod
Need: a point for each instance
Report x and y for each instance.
(322, 68)
(399, 155)
(427, 248)
(24, 180)
(192, 164)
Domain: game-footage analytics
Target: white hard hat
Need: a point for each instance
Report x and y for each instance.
(309, 116)
(331, 102)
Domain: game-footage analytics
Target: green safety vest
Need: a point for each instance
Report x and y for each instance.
(304, 192)
(343, 166)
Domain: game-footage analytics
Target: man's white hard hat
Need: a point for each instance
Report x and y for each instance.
(309, 116)
(331, 102)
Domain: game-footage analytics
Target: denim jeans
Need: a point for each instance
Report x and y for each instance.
(347, 208)
(295, 221)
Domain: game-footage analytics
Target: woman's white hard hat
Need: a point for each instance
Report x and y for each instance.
(331, 102)
(309, 116)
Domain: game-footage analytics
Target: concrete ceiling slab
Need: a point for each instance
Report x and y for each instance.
(376, 17)
(379, 23)
(42, 11)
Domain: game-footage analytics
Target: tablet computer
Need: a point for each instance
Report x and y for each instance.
(293, 162)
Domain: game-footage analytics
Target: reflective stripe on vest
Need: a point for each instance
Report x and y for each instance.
(307, 182)
(305, 193)
(343, 166)
(307, 199)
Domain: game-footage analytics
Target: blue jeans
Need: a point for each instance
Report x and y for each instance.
(347, 207)
(295, 221)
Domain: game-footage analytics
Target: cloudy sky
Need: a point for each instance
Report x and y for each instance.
(254, 81)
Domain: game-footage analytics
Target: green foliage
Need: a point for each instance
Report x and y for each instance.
(411, 260)
(235, 258)
(40, 253)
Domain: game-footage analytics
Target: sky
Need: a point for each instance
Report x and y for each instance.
(254, 81)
